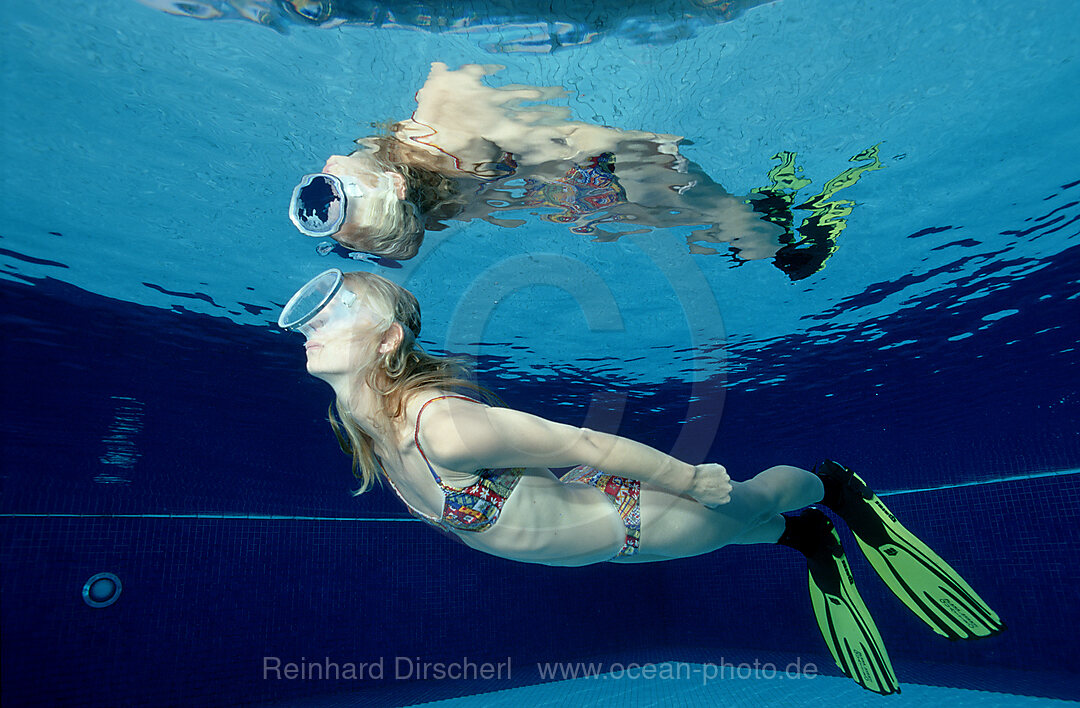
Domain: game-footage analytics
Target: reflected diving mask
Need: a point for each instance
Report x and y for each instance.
(325, 303)
(320, 203)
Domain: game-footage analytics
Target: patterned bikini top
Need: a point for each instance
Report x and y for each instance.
(475, 508)
(585, 191)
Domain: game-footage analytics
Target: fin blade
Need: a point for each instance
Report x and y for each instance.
(847, 627)
(926, 584)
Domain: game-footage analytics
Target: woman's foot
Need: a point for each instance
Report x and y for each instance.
(842, 617)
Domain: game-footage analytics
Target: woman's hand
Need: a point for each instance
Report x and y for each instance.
(711, 485)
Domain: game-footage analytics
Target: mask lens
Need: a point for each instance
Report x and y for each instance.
(318, 205)
(303, 307)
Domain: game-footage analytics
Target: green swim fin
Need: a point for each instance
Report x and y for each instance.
(842, 617)
(919, 577)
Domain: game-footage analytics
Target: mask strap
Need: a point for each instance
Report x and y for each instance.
(365, 257)
(353, 189)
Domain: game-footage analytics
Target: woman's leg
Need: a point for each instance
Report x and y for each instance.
(677, 526)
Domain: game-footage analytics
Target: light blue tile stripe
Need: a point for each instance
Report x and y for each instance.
(258, 517)
(1013, 478)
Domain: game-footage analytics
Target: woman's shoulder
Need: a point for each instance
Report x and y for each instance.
(435, 403)
(435, 421)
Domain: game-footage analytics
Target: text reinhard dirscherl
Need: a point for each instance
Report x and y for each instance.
(403, 668)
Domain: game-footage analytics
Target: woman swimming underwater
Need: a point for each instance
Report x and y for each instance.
(482, 473)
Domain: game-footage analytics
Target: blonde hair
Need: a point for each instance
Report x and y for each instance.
(383, 225)
(392, 227)
(398, 374)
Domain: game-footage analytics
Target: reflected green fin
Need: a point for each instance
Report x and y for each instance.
(806, 253)
(783, 177)
(830, 218)
(846, 179)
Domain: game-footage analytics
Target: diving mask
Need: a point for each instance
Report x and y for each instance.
(325, 303)
(320, 203)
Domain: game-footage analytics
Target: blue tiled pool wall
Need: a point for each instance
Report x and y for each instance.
(205, 600)
(230, 425)
(228, 420)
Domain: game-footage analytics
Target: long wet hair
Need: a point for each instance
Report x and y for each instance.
(397, 375)
(392, 227)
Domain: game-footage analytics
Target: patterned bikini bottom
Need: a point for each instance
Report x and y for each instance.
(624, 493)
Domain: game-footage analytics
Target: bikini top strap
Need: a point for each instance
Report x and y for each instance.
(416, 433)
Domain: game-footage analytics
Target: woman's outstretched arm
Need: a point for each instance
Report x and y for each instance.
(465, 436)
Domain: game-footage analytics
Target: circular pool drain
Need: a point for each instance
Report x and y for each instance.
(101, 590)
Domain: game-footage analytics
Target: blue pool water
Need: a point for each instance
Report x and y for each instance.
(158, 426)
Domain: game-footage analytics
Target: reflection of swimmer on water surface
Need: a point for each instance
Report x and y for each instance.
(472, 151)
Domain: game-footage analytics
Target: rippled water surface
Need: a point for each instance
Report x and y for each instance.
(150, 158)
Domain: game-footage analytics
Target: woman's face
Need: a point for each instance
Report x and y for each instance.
(366, 172)
(343, 345)
(353, 166)
(380, 188)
